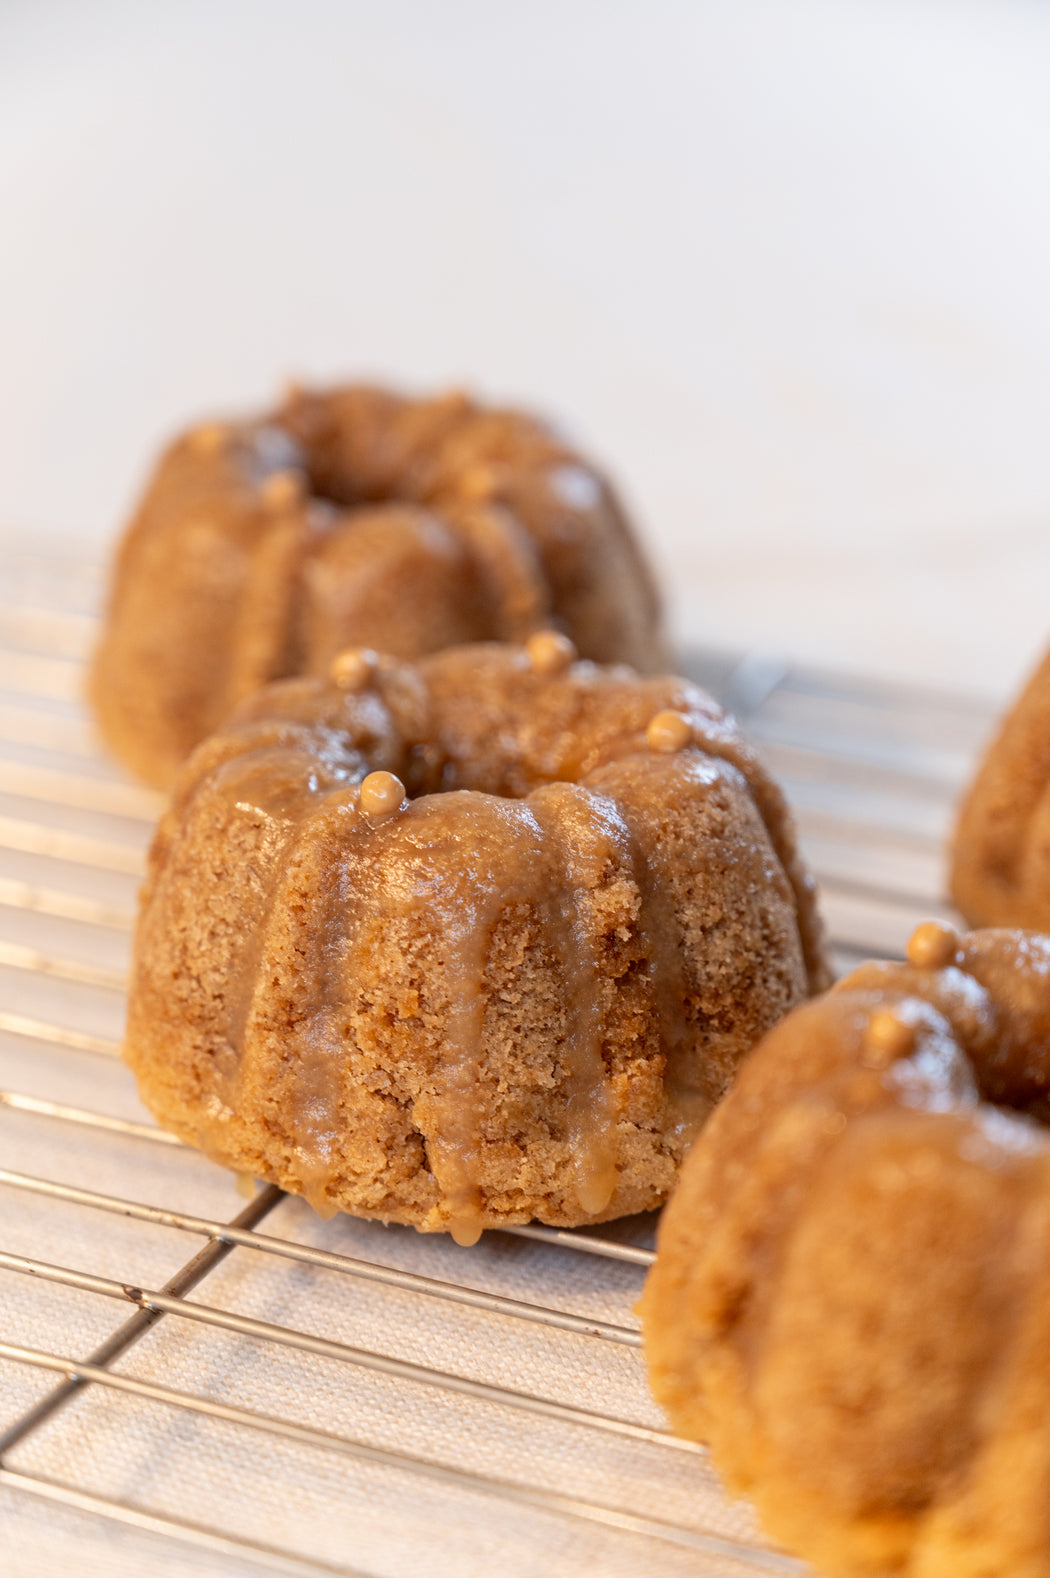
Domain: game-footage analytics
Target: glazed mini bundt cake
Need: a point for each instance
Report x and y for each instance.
(1001, 853)
(354, 517)
(469, 941)
(851, 1294)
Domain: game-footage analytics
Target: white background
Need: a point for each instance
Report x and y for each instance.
(784, 266)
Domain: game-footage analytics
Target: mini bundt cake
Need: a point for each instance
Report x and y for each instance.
(466, 942)
(1001, 853)
(353, 518)
(851, 1295)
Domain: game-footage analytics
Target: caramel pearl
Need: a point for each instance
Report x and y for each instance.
(208, 439)
(282, 489)
(887, 1037)
(353, 669)
(479, 483)
(932, 946)
(381, 794)
(550, 652)
(669, 731)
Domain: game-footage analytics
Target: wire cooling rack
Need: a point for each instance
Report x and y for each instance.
(225, 1384)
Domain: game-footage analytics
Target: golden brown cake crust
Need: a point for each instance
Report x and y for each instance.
(512, 991)
(851, 1295)
(353, 516)
(1000, 861)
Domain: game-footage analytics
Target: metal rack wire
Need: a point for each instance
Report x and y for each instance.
(503, 1386)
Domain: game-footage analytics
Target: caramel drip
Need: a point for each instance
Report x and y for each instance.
(511, 855)
(294, 1043)
(276, 790)
(582, 863)
(488, 875)
(317, 1043)
(454, 1138)
(314, 1115)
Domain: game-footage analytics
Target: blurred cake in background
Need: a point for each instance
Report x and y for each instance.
(354, 517)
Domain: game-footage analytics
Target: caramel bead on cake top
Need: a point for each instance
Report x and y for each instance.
(381, 795)
(480, 483)
(283, 489)
(932, 946)
(550, 652)
(669, 731)
(353, 669)
(450, 944)
(851, 1293)
(355, 517)
(209, 438)
(1000, 857)
(887, 1038)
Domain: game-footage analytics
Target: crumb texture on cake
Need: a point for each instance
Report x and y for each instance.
(354, 517)
(851, 1296)
(458, 943)
(1000, 860)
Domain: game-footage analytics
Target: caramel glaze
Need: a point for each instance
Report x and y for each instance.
(353, 517)
(850, 1293)
(516, 994)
